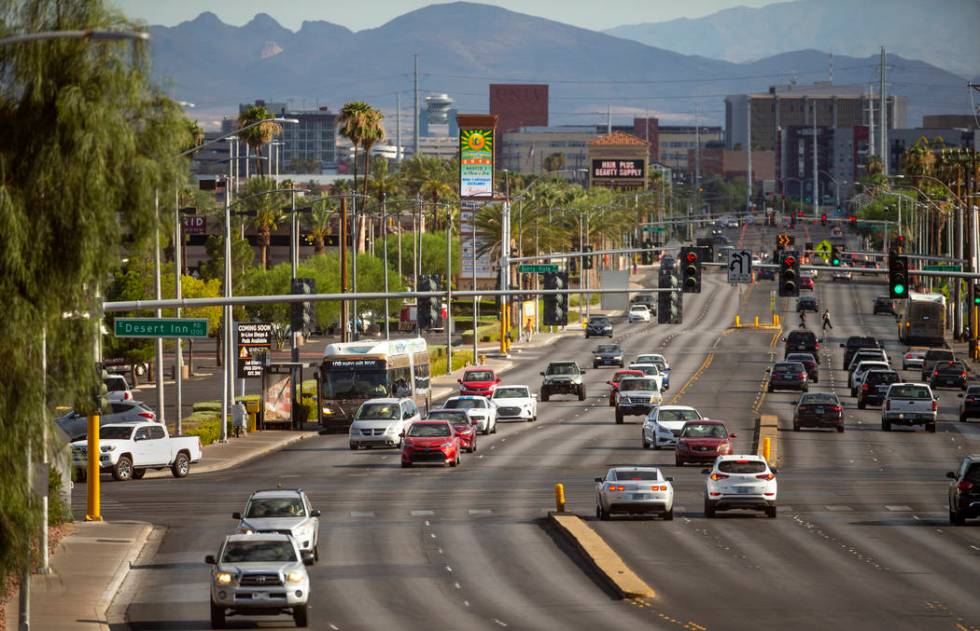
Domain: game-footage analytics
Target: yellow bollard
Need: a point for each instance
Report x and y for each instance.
(560, 497)
(738, 321)
(93, 510)
(757, 322)
(766, 448)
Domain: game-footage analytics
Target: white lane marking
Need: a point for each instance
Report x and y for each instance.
(479, 511)
(898, 508)
(432, 534)
(421, 513)
(838, 507)
(974, 547)
(334, 627)
(449, 569)
(426, 522)
(500, 622)
(357, 513)
(457, 585)
(466, 603)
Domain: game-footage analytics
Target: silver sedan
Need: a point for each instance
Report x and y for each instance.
(634, 490)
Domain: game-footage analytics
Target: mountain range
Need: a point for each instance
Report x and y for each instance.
(939, 32)
(464, 46)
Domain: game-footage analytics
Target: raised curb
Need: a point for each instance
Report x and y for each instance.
(622, 579)
(109, 594)
(238, 460)
(769, 428)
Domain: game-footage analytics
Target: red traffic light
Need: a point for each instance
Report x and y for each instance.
(790, 261)
(901, 238)
(852, 219)
(823, 217)
(692, 257)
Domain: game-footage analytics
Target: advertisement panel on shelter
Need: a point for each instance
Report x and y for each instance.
(277, 399)
(476, 162)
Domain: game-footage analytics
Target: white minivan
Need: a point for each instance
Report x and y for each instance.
(382, 422)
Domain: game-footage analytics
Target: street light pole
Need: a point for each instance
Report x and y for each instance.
(384, 232)
(158, 362)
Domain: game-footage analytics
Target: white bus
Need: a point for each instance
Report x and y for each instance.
(352, 372)
(922, 319)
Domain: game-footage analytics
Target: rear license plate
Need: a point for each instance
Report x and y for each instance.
(820, 410)
(743, 490)
(639, 496)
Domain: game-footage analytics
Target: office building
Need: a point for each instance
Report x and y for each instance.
(526, 150)
(518, 105)
(309, 145)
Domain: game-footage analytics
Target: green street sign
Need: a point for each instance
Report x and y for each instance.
(161, 327)
(941, 268)
(654, 228)
(539, 268)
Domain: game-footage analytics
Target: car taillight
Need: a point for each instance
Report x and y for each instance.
(908, 355)
(865, 387)
(766, 476)
(838, 408)
(613, 487)
(149, 415)
(965, 485)
(719, 476)
(658, 487)
(970, 399)
(935, 373)
(963, 374)
(888, 404)
(935, 406)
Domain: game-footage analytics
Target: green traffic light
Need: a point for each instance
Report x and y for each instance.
(835, 262)
(899, 289)
(976, 300)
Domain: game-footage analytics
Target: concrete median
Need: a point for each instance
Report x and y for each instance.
(622, 579)
(769, 438)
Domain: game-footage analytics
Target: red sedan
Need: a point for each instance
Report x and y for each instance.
(479, 381)
(616, 378)
(464, 428)
(806, 283)
(702, 441)
(430, 442)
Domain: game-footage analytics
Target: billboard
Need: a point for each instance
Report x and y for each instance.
(607, 169)
(474, 250)
(476, 162)
(277, 399)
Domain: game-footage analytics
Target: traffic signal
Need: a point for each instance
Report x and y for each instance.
(835, 256)
(100, 393)
(823, 219)
(555, 305)
(898, 276)
(301, 313)
(852, 220)
(900, 243)
(646, 256)
(669, 303)
(691, 270)
(976, 295)
(427, 311)
(789, 274)
(587, 260)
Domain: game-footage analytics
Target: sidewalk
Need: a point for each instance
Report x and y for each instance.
(87, 570)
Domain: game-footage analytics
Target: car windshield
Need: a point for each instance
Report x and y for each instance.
(465, 404)
(115, 385)
(638, 307)
(628, 474)
(429, 430)
(602, 321)
(819, 398)
(511, 393)
(909, 392)
(115, 433)
(973, 475)
(454, 417)
(276, 507)
(637, 384)
(951, 367)
(379, 411)
(699, 430)
(678, 415)
(341, 384)
(788, 367)
(882, 376)
(866, 366)
(623, 375)
(608, 348)
(562, 369)
(258, 552)
(973, 390)
(741, 466)
(801, 357)
(801, 337)
(646, 369)
(939, 355)
(478, 375)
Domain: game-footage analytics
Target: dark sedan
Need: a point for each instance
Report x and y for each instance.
(599, 326)
(808, 361)
(874, 387)
(964, 491)
(884, 304)
(807, 303)
(788, 376)
(948, 374)
(819, 409)
(970, 405)
(607, 355)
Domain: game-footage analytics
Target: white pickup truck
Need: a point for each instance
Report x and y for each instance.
(129, 449)
(909, 404)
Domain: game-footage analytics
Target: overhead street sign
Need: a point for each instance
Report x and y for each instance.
(161, 327)
(739, 266)
(539, 268)
(941, 268)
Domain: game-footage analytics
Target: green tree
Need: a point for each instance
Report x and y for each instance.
(269, 209)
(320, 221)
(259, 135)
(87, 144)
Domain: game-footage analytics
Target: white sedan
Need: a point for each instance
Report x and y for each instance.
(634, 490)
(740, 482)
(664, 424)
(516, 402)
(639, 313)
(479, 409)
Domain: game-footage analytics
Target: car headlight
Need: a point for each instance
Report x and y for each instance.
(223, 578)
(327, 411)
(245, 530)
(446, 445)
(105, 448)
(295, 577)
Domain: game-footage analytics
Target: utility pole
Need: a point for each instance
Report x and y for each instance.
(883, 113)
(697, 157)
(816, 174)
(748, 153)
(608, 118)
(416, 110)
(344, 311)
(872, 150)
(398, 127)
(178, 272)
(158, 363)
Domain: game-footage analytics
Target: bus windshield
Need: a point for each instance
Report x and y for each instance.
(345, 383)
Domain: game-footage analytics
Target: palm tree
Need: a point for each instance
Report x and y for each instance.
(259, 135)
(269, 211)
(320, 223)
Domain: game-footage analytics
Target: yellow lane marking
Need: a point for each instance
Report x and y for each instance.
(697, 375)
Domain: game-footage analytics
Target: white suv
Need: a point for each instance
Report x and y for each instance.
(740, 482)
(118, 388)
(381, 422)
(283, 511)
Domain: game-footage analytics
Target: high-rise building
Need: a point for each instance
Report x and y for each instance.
(519, 105)
(310, 144)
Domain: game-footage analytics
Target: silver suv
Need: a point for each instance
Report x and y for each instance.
(260, 574)
(562, 378)
(285, 512)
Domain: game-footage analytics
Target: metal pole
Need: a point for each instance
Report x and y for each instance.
(24, 598)
(44, 447)
(476, 300)
(588, 279)
(226, 326)
(178, 272)
(416, 110)
(356, 245)
(748, 153)
(398, 127)
(816, 182)
(448, 324)
(159, 313)
(384, 229)
(416, 240)
(883, 113)
(344, 317)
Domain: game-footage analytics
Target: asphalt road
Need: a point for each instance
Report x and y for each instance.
(861, 539)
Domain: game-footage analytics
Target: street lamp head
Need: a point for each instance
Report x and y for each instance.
(133, 35)
(286, 120)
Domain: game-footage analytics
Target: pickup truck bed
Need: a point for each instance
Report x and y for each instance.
(909, 404)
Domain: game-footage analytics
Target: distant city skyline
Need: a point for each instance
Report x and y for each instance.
(292, 13)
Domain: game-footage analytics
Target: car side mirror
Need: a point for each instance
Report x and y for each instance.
(768, 369)
(236, 515)
(598, 480)
(843, 345)
(459, 381)
(210, 560)
(307, 557)
(960, 395)
(497, 380)
(951, 475)
(782, 339)
(402, 434)
(314, 513)
(669, 478)
(733, 435)
(609, 383)
(541, 373)
(705, 471)
(774, 470)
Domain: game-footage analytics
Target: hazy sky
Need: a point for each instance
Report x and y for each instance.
(590, 14)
